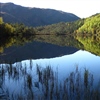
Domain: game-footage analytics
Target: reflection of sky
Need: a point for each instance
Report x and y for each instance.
(67, 63)
(64, 65)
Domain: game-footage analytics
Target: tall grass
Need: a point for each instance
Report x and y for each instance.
(77, 85)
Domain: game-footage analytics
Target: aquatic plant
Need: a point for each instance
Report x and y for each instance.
(76, 86)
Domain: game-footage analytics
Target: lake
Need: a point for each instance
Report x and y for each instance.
(49, 68)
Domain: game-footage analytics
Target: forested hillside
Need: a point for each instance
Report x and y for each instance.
(60, 28)
(91, 25)
(86, 26)
(12, 13)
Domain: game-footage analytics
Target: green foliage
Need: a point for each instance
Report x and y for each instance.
(14, 40)
(1, 20)
(83, 26)
(21, 29)
(6, 29)
(60, 28)
(91, 25)
(9, 28)
(15, 29)
(90, 43)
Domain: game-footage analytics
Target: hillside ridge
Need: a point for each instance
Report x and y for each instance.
(34, 16)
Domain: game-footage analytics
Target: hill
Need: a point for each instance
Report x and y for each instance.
(33, 16)
(87, 26)
(91, 25)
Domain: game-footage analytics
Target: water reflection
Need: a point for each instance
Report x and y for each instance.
(34, 50)
(68, 77)
(14, 49)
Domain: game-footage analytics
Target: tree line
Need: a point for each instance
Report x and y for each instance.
(80, 27)
(8, 29)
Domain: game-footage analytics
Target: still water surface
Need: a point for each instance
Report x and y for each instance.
(14, 76)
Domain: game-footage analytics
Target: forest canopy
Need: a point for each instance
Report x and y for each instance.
(8, 29)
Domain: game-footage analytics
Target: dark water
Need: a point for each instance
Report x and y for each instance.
(34, 50)
(50, 68)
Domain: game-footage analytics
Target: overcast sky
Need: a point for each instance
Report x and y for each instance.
(81, 8)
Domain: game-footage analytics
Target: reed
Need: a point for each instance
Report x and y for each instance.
(76, 86)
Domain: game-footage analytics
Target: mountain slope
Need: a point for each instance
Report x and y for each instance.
(34, 16)
(91, 25)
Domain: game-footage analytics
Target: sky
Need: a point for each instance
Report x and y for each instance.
(81, 8)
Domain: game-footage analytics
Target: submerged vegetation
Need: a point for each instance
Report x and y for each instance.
(43, 83)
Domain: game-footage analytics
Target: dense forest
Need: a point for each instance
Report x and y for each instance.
(60, 28)
(91, 25)
(8, 29)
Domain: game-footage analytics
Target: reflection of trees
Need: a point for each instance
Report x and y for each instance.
(11, 41)
(1, 49)
(87, 42)
(61, 40)
(5, 42)
(90, 43)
